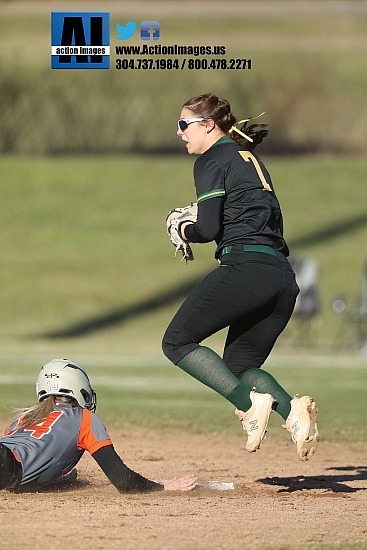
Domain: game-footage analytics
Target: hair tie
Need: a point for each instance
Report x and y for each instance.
(234, 129)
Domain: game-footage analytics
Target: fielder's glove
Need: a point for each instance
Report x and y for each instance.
(174, 220)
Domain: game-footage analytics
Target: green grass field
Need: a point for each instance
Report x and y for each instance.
(83, 239)
(75, 248)
(162, 397)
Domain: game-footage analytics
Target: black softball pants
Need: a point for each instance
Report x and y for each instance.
(10, 469)
(251, 293)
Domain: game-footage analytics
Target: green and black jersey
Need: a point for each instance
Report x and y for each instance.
(236, 200)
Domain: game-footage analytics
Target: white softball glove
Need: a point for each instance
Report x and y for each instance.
(175, 219)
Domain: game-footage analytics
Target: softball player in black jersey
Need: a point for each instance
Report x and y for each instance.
(253, 291)
(44, 443)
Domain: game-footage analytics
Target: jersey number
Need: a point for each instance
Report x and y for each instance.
(247, 156)
(44, 427)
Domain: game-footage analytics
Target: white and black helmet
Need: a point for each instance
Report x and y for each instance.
(66, 378)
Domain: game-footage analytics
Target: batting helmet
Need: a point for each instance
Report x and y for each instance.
(66, 378)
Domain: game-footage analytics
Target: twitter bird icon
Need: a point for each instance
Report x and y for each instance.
(126, 31)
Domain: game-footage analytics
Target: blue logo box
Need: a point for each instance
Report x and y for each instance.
(80, 40)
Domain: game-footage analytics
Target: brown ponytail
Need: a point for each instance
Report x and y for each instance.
(255, 132)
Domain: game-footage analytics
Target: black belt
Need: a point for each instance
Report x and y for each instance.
(251, 248)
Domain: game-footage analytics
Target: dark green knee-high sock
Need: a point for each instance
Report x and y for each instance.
(266, 383)
(206, 366)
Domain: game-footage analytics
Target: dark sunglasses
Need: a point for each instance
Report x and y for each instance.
(183, 123)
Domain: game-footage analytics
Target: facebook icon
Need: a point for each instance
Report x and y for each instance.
(150, 30)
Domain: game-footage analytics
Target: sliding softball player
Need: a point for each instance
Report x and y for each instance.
(45, 442)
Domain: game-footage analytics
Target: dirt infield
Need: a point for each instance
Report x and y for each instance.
(277, 499)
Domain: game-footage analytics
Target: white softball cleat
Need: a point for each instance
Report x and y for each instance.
(302, 424)
(255, 420)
